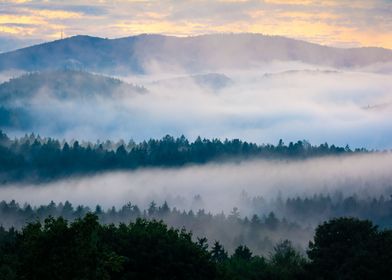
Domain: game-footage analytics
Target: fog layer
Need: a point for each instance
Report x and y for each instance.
(220, 186)
(291, 101)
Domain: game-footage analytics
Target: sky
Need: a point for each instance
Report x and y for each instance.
(340, 23)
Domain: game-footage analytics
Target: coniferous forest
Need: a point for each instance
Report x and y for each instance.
(43, 159)
(327, 235)
(295, 237)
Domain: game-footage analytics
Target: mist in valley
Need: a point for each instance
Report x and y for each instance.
(194, 140)
(219, 187)
(258, 202)
(253, 202)
(288, 101)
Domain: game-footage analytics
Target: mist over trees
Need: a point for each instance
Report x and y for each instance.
(64, 84)
(18, 95)
(267, 239)
(260, 233)
(260, 95)
(42, 159)
(294, 218)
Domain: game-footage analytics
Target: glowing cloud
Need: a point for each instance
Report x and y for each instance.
(332, 22)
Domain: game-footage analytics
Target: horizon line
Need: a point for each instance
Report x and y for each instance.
(195, 36)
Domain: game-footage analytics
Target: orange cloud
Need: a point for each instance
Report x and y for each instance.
(15, 1)
(164, 27)
(17, 30)
(55, 14)
(309, 16)
(20, 19)
(343, 23)
(290, 2)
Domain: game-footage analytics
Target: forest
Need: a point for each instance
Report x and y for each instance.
(343, 248)
(341, 234)
(293, 218)
(36, 159)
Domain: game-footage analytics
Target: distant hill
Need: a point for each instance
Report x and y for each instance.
(299, 72)
(64, 84)
(144, 53)
(17, 96)
(210, 81)
(386, 106)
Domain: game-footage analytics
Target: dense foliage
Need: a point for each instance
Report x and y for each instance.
(87, 250)
(259, 233)
(294, 218)
(320, 207)
(37, 159)
(350, 249)
(343, 248)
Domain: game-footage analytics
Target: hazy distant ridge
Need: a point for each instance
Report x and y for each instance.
(140, 54)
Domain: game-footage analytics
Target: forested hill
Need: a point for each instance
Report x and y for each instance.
(21, 98)
(41, 159)
(63, 84)
(193, 54)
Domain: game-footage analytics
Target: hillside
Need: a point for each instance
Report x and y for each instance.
(144, 53)
(63, 84)
(22, 98)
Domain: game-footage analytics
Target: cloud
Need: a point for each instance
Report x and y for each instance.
(347, 24)
(18, 19)
(221, 186)
(55, 14)
(292, 101)
(16, 1)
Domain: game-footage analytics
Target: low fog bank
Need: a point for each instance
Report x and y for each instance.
(220, 187)
(7, 75)
(262, 104)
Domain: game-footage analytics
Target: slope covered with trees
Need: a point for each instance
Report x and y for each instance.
(259, 230)
(193, 54)
(63, 84)
(22, 97)
(37, 159)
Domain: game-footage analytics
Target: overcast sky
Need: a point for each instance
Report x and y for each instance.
(334, 22)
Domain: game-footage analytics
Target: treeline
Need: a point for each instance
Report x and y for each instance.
(343, 248)
(270, 221)
(320, 207)
(39, 159)
(259, 232)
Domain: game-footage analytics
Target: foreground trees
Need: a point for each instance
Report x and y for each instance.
(348, 248)
(87, 250)
(343, 248)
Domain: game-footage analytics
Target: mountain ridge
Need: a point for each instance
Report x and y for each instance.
(85, 36)
(144, 53)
